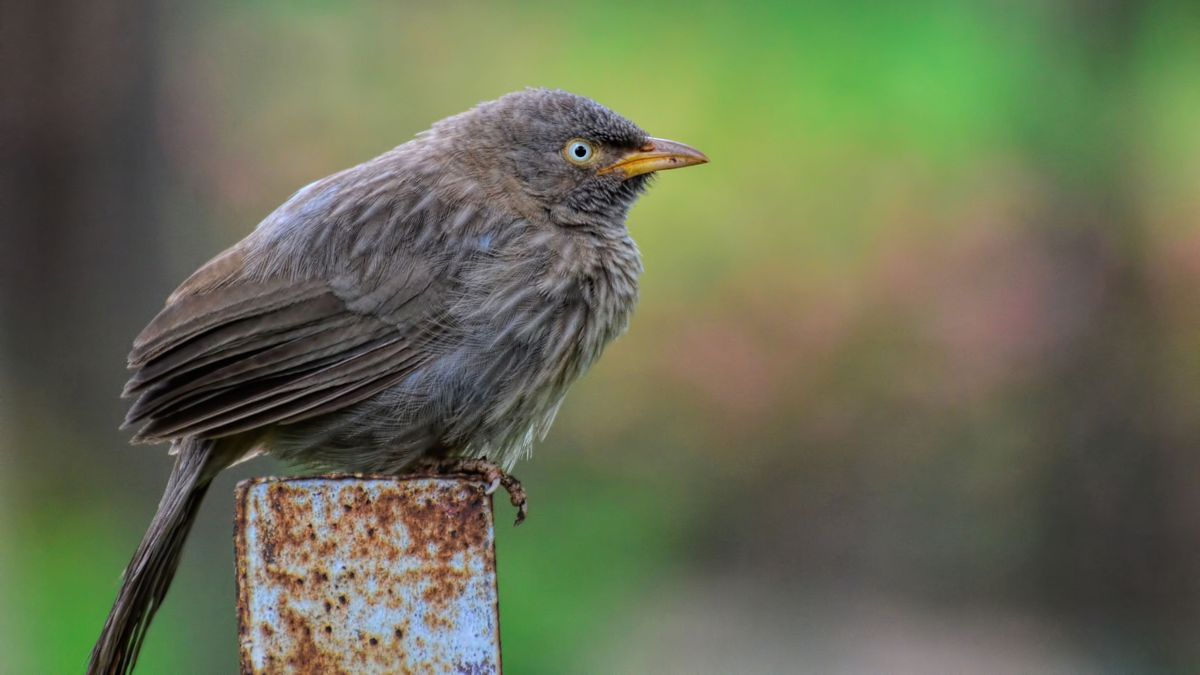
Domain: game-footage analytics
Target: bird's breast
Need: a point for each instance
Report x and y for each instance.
(535, 315)
(563, 291)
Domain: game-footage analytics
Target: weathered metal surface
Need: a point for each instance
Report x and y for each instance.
(346, 574)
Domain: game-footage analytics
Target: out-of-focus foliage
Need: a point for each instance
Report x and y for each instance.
(914, 382)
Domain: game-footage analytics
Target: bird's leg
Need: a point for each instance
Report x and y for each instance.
(492, 474)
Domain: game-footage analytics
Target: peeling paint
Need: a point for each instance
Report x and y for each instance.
(358, 574)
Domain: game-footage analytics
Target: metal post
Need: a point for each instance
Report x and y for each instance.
(366, 575)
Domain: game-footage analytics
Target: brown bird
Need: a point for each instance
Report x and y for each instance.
(427, 308)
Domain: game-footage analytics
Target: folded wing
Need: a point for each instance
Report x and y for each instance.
(229, 354)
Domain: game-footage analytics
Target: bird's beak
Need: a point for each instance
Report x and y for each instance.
(658, 154)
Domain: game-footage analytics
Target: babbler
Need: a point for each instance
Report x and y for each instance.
(427, 309)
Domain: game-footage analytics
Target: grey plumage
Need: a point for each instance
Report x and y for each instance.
(436, 301)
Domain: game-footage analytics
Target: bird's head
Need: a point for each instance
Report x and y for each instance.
(561, 154)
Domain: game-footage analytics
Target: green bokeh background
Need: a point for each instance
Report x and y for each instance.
(913, 385)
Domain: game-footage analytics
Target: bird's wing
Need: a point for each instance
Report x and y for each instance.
(232, 352)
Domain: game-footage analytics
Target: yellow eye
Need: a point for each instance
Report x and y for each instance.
(578, 152)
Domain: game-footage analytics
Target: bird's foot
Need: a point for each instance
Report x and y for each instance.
(492, 474)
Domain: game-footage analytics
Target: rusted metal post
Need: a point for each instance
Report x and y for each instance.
(346, 574)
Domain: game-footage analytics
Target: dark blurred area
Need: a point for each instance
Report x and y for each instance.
(914, 382)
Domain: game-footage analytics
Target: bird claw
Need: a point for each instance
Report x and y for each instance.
(494, 476)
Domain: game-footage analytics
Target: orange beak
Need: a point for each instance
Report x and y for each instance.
(658, 154)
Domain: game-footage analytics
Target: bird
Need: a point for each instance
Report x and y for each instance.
(424, 310)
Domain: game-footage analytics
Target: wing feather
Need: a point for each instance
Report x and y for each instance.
(215, 340)
(253, 353)
(269, 333)
(269, 400)
(190, 316)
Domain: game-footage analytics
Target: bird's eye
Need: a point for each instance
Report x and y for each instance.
(578, 152)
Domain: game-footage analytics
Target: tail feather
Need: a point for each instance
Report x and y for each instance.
(149, 573)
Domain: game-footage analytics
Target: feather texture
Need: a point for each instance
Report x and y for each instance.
(437, 300)
(252, 353)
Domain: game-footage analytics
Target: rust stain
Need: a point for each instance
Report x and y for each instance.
(366, 575)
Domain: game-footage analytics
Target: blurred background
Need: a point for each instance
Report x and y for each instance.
(914, 382)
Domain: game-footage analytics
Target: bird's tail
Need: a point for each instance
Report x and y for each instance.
(149, 573)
